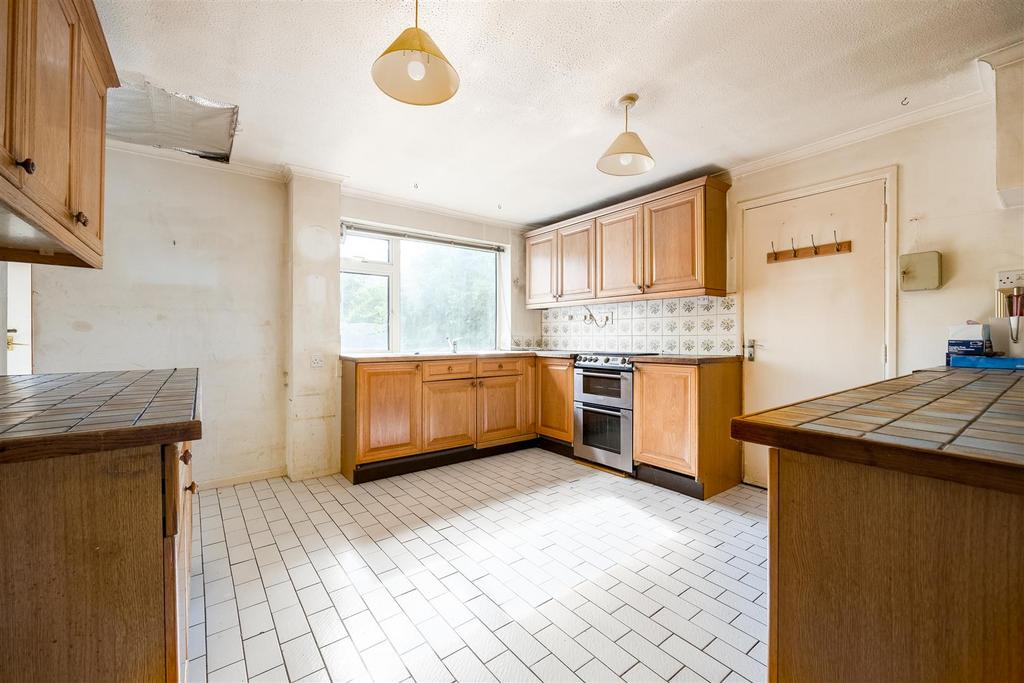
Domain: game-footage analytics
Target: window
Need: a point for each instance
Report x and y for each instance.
(401, 293)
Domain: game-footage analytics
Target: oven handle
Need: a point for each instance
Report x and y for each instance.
(616, 413)
(611, 375)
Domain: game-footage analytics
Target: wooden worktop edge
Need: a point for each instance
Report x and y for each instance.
(74, 443)
(962, 468)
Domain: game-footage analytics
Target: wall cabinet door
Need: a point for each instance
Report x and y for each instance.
(541, 268)
(9, 44)
(620, 253)
(54, 34)
(674, 242)
(388, 403)
(499, 408)
(87, 140)
(665, 417)
(576, 262)
(449, 414)
(554, 398)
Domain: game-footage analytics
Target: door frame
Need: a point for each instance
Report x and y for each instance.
(890, 247)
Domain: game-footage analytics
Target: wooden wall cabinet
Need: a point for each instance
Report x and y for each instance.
(554, 398)
(620, 253)
(576, 262)
(56, 70)
(681, 417)
(542, 269)
(667, 242)
(388, 401)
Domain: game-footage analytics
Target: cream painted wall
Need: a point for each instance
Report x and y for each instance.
(947, 202)
(524, 323)
(194, 276)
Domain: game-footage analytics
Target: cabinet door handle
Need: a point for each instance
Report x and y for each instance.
(449, 368)
(192, 488)
(82, 218)
(186, 457)
(27, 164)
(500, 366)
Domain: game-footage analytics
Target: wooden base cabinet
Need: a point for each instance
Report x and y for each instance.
(394, 409)
(56, 70)
(97, 564)
(681, 419)
(449, 414)
(554, 398)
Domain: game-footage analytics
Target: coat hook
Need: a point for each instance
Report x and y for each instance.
(813, 245)
(793, 246)
(775, 257)
(835, 238)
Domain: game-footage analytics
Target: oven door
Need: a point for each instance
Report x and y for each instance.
(603, 388)
(603, 435)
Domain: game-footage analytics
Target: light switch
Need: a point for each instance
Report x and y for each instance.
(922, 270)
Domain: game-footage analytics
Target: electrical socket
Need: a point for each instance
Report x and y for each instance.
(316, 360)
(1009, 278)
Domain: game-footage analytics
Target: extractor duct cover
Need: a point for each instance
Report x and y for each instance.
(144, 114)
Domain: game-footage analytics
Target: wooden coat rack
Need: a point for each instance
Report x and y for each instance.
(815, 250)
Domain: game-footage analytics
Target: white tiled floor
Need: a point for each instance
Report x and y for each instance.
(516, 567)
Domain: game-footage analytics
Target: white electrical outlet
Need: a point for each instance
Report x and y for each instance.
(1009, 278)
(316, 360)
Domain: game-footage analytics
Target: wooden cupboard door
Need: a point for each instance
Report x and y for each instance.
(449, 414)
(388, 404)
(620, 253)
(51, 59)
(576, 262)
(87, 146)
(529, 404)
(554, 398)
(9, 46)
(665, 416)
(674, 242)
(499, 408)
(541, 268)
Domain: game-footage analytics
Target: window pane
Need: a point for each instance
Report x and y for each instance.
(364, 312)
(447, 291)
(363, 248)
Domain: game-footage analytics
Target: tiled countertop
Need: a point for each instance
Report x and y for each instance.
(670, 359)
(399, 356)
(957, 424)
(61, 414)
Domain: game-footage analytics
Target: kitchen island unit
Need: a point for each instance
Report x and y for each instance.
(96, 518)
(896, 530)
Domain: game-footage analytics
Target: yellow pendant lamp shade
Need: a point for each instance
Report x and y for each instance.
(413, 69)
(627, 155)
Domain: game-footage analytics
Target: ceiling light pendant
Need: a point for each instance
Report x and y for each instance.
(627, 154)
(413, 69)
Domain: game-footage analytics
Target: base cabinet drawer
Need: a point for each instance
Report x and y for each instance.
(462, 368)
(497, 367)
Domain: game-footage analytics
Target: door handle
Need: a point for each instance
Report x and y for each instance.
(749, 347)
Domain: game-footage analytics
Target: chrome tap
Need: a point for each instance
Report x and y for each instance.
(453, 344)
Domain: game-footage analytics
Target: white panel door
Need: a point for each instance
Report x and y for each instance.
(818, 323)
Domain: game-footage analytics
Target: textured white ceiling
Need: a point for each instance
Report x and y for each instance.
(720, 83)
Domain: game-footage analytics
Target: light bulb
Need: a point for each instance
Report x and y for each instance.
(416, 70)
(625, 159)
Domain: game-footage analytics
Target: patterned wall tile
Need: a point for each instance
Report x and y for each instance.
(705, 325)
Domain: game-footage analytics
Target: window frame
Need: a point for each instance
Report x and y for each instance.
(392, 270)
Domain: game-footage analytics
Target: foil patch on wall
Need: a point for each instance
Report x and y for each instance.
(144, 114)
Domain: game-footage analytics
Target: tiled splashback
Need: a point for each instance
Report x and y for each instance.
(699, 325)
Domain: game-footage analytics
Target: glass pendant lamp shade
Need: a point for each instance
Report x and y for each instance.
(627, 155)
(413, 69)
